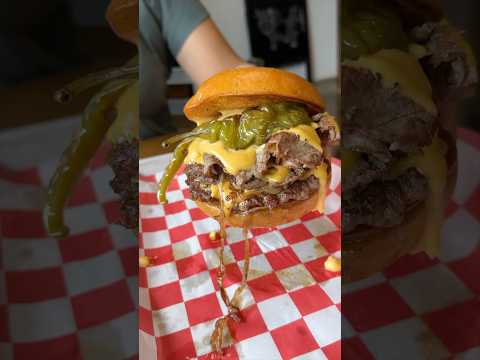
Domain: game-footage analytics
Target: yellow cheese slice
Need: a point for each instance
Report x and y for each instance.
(234, 161)
(277, 174)
(402, 68)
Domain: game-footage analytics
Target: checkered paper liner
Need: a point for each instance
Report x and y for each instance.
(28, 256)
(88, 309)
(291, 307)
(433, 307)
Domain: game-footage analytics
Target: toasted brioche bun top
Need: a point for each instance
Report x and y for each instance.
(122, 16)
(249, 87)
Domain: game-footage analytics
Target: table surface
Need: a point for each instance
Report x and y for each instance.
(179, 297)
(98, 49)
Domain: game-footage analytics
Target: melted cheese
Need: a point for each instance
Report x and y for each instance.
(233, 160)
(433, 165)
(277, 174)
(399, 67)
(228, 196)
(307, 134)
(320, 172)
(417, 50)
(215, 191)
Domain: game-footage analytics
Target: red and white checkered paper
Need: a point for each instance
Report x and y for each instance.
(291, 307)
(433, 307)
(74, 298)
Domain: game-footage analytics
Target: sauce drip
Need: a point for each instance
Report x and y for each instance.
(232, 305)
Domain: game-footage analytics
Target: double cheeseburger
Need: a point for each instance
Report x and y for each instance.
(258, 156)
(404, 68)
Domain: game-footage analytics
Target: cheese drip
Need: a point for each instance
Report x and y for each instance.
(233, 305)
(433, 165)
(224, 192)
(321, 173)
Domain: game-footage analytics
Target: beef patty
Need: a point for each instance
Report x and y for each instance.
(282, 149)
(381, 125)
(384, 203)
(123, 160)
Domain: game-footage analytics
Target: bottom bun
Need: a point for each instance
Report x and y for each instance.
(264, 218)
(370, 250)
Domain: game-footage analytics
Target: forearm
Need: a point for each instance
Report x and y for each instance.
(206, 52)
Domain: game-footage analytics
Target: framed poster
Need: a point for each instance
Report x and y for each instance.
(278, 31)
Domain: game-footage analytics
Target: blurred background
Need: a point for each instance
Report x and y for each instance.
(464, 15)
(44, 45)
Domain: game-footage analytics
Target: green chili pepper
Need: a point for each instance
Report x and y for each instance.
(127, 72)
(95, 124)
(369, 26)
(252, 127)
(178, 156)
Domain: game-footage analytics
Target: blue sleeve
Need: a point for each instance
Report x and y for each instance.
(169, 22)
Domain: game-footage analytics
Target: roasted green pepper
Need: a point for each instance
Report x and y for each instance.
(97, 119)
(127, 72)
(178, 156)
(252, 127)
(94, 126)
(369, 26)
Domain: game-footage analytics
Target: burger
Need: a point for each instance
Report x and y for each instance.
(259, 154)
(404, 68)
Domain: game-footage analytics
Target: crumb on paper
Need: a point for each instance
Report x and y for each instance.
(143, 261)
(213, 235)
(333, 264)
